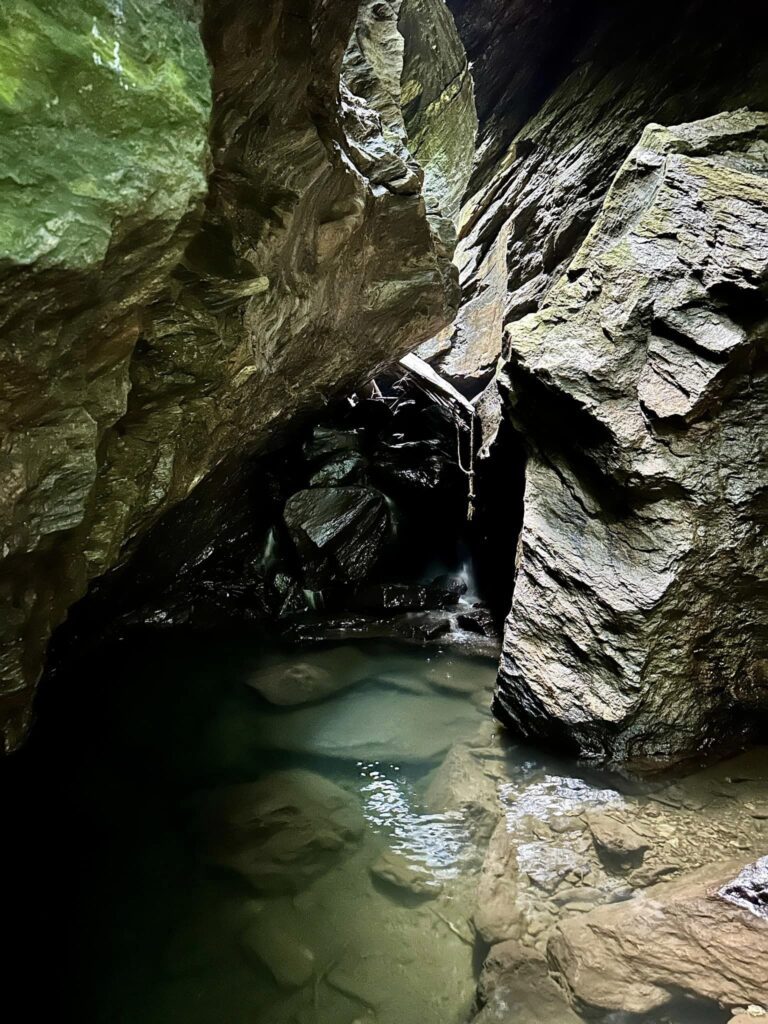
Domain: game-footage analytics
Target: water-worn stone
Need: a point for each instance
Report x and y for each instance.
(638, 955)
(497, 917)
(395, 869)
(617, 842)
(298, 682)
(155, 328)
(369, 724)
(461, 784)
(279, 947)
(619, 635)
(515, 985)
(278, 833)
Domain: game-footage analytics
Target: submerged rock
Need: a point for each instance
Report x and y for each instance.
(462, 783)
(402, 873)
(369, 725)
(293, 682)
(278, 944)
(497, 917)
(278, 833)
(617, 843)
(638, 955)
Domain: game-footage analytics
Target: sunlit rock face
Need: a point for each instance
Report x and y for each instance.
(209, 227)
(629, 364)
(637, 624)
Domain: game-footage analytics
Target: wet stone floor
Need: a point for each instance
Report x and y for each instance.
(315, 836)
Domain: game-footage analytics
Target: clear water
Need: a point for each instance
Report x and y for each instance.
(149, 930)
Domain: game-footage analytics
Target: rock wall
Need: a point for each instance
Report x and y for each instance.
(630, 363)
(637, 625)
(207, 229)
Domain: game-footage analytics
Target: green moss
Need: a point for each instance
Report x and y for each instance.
(104, 107)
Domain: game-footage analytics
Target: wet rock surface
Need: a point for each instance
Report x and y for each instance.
(626, 549)
(394, 869)
(158, 329)
(339, 531)
(636, 955)
(749, 890)
(516, 985)
(614, 331)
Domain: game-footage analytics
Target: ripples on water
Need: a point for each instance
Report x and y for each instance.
(147, 934)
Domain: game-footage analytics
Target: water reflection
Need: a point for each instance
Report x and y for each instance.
(439, 841)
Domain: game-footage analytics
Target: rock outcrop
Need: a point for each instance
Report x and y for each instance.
(641, 388)
(629, 363)
(211, 222)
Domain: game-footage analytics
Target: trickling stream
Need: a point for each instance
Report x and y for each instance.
(209, 857)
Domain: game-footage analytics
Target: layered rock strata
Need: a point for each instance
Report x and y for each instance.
(209, 227)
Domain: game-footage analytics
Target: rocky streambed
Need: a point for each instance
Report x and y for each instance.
(336, 833)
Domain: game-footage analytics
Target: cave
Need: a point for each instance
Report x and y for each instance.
(383, 592)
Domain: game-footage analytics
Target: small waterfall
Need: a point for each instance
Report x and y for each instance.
(269, 555)
(467, 574)
(314, 599)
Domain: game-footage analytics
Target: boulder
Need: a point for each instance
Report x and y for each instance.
(515, 986)
(636, 384)
(339, 532)
(278, 833)
(478, 619)
(676, 937)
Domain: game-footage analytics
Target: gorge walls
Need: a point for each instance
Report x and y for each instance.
(253, 207)
(211, 222)
(614, 295)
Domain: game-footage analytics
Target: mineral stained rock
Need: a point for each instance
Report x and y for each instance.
(208, 226)
(637, 626)
(675, 938)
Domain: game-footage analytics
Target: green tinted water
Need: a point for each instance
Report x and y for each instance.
(200, 856)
